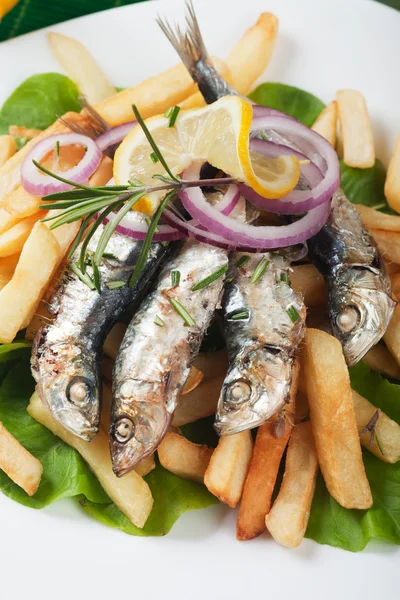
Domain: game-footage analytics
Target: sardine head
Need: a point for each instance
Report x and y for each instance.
(256, 387)
(137, 425)
(361, 310)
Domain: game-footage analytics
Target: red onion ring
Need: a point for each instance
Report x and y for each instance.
(114, 136)
(243, 234)
(37, 183)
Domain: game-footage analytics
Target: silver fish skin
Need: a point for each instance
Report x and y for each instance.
(66, 356)
(262, 346)
(359, 290)
(192, 51)
(154, 361)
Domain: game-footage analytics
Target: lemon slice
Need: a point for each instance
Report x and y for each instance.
(218, 134)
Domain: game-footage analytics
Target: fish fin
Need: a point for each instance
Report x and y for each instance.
(189, 44)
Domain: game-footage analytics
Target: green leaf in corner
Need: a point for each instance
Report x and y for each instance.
(172, 497)
(365, 186)
(14, 350)
(296, 103)
(38, 101)
(65, 473)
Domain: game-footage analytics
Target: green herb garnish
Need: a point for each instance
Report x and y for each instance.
(284, 278)
(57, 148)
(210, 279)
(378, 443)
(293, 314)
(172, 114)
(158, 321)
(96, 276)
(242, 260)
(154, 157)
(84, 277)
(240, 315)
(181, 310)
(175, 278)
(259, 270)
(116, 284)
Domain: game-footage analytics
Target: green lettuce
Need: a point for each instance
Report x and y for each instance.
(38, 101)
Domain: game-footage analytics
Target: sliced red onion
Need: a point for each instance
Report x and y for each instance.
(37, 183)
(134, 225)
(114, 136)
(265, 111)
(244, 234)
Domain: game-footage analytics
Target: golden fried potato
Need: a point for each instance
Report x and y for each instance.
(196, 100)
(7, 268)
(103, 173)
(375, 219)
(130, 493)
(24, 469)
(20, 131)
(184, 458)
(199, 403)
(379, 359)
(392, 184)
(392, 335)
(114, 340)
(388, 243)
(13, 240)
(355, 126)
(308, 281)
(229, 464)
(8, 148)
(288, 519)
(386, 441)
(326, 123)
(333, 420)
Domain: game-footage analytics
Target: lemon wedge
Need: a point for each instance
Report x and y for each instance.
(217, 134)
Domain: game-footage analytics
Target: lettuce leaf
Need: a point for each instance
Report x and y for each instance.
(365, 186)
(301, 105)
(38, 101)
(332, 524)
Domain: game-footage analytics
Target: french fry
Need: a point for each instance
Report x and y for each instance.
(81, 67)
(7, 268)
(21, 295)
(228, 467)
(355, 126)
(386, 441)
(184, 458)
(103, 173)
(395, 281)
(13, 240)
(326, 123)
(379, 359)
(22, 468)
(130, 493)
(114, 340)
(263, 470)
(391, 268)
(20, 131)
(152, 97)
(6, 220)
(374, 219)
(252, 54)
(308, 281)
(392, 183)
(8, 148)
(392, 335)
(20, 203)
(194, 379)
(388, 243)
(334, 422)
(288, 519)
(199, 403)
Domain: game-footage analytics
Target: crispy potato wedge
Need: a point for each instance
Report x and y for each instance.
(8, 148)
(379, 359)
(184, 458)
(326, 123)
(288, 519)
(392, 183)
(386, 441)
(263, 471)
(252, 54)
(355, 126)
(199, 403)
(375, 219)
(7, 268)
(391, 268)
(20, 131)
(152, 97)
(81, 67)
(388, 243)
(103, 174)
(395, 281)
(20, 203)
(39, 258)
(13, 240)
(7, 220)
(392, 335)
(334, 422)
(308, 281)
(194, 379)
(114, 339)
(229, 464)
(22, 468)
(130, 493)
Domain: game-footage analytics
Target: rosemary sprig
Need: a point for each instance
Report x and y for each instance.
(210, 279)
(183, 312)
(158, 321)
(240, 315)
(293, 314)
(175, 278)
(242, 260)
(259, 270)
(116, 284)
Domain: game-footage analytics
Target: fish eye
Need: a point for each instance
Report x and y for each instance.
(237, 393)
(80, 391)
(348, 319)
(124, 430)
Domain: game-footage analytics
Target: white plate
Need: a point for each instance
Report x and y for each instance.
(59, 552)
